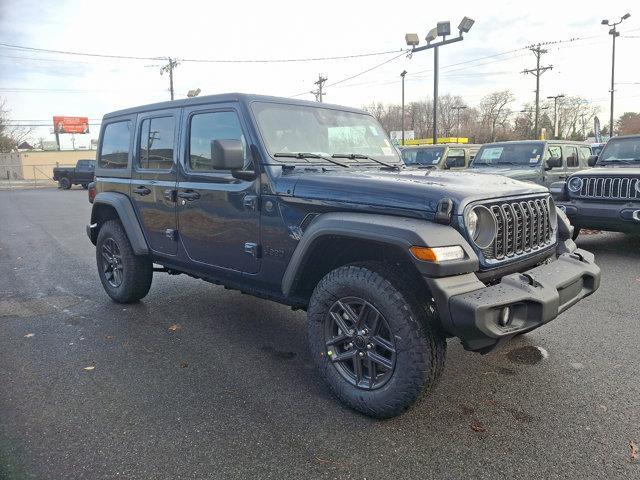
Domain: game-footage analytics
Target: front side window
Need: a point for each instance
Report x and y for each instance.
(207, 128)
(455, 157)
(555, 151)
(289, 129)
(156, 143)
(115, 145)
(583, 154)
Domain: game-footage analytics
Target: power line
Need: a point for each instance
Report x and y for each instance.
(196, 60)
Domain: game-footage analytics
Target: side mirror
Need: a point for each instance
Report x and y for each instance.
(558, 190)
(449, 163)
(554, 162)
(227, 154)
(592, 160)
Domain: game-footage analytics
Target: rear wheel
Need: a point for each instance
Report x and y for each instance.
(85, 185)
(373, 339)
(64, 183)
(126, 277)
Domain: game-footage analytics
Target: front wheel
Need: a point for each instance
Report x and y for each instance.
(374, 339)
(64, 183)
(126, 277)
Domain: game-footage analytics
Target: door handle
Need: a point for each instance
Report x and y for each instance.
(189, 195)
(142, 190)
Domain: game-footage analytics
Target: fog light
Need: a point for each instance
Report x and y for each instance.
(505, 317)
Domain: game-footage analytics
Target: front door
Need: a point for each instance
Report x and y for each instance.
(218, 215)
(557, 173)
(153, 178)
(571, 160)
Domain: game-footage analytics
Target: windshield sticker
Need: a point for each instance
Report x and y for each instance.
(374, 130)
(492, 153)
(436, 160)
(534, 159)
(386, 142)
(386, 151)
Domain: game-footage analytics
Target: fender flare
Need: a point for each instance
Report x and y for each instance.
(127, 215)
(402, 232)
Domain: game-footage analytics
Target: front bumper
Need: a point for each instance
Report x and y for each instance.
(600, 215)
(470, 310)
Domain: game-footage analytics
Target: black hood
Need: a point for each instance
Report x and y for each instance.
(407, 189)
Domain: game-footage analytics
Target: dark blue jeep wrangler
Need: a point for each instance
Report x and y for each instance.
(309, 205)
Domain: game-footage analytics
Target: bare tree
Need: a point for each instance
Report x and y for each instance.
(495, 113)
(10, 135)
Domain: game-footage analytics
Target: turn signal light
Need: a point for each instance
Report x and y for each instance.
(437, 254)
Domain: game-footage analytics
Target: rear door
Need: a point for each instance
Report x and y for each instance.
(218, 215)
(154, 176)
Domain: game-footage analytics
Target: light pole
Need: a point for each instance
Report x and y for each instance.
(404, 72)
(442, 29)
(457, 109)
(614, 33)
(555, 113)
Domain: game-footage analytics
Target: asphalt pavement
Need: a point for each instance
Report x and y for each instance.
(197, 381)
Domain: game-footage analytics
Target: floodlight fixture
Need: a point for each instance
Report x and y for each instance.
(625, 16)
(432, 35)
(465, 24)
(193, 93)
(412, 39)
(444, 28)
(604, 22)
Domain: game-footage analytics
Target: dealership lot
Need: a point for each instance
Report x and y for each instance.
(197, 381)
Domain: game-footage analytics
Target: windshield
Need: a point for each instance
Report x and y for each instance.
(323, 132)
(429, 156)
(622, 150)
(519, 154)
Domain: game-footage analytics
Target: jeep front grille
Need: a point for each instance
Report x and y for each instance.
(523, 227)
(615, 188)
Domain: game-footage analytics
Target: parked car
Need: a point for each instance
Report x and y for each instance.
(308, 204)
(537, 161)
(81, 174)
(442, 157)
(606, 197)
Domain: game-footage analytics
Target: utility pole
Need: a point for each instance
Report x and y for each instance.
(584, 126)
(614, 33)
(169, 68)
(404, 72)
(320, 83)
(538, 52)
(457, 109)
(555, 113)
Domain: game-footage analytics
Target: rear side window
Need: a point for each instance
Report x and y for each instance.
(156, 143)
(205, 129)
(115, 145)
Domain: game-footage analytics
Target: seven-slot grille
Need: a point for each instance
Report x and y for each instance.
(622, 188)
(523, 226)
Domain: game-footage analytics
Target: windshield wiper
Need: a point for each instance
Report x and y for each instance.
(354, 156)
(303, 155)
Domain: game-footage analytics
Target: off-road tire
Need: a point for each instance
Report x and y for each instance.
(85, 185)
(64, 183)
(137, 270)
(420, 344)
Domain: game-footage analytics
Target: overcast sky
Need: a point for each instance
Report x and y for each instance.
(55, 84)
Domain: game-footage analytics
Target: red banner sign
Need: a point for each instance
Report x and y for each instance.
(71, 124)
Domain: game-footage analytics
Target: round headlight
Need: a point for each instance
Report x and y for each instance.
(481, 226)
(575, 184)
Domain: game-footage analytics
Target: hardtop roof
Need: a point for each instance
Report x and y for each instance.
(226, 97)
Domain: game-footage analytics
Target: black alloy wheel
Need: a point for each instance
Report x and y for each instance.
(112, 262)
(360, 343)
